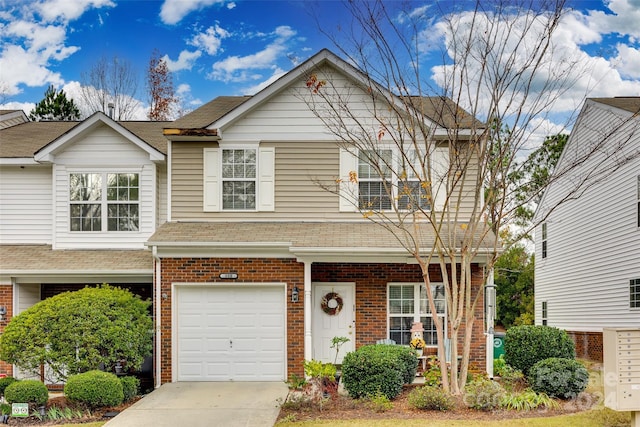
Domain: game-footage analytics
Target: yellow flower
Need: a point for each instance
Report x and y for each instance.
(417, 343)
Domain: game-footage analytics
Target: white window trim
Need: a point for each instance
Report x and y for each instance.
(349, 194)
(213, 181)
(630, 284)
(416, 299)
(104, 203)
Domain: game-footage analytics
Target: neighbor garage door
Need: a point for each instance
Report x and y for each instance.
(230, 333)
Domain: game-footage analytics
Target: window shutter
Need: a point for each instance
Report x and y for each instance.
(440, 169)
(211, 176)
(348, 189)
(266, 179)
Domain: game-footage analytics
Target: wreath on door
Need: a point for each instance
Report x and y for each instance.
(331, 303)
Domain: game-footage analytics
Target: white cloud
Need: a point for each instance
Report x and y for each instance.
(628, 61)
(24, 106)
(210, 40)
(231, 5)
(252, 90)
(623, 20)
(73, 90)
(183, 89)
(173, 11)
(34, 37)
(243, 68)
(185, 60)
(67, 10)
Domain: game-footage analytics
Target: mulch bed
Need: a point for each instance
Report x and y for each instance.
(344, 408)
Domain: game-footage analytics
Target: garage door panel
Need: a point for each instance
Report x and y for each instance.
(230, 333)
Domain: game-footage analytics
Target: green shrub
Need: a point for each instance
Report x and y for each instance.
(27, 391)
(130, 387)
(430, 398)
(557, 377)
(379, 403)
(526, 345)
(527, 401)
(95, 389)
(432, 375)
(483, 394)
(371, 370)
(4, 382)
(5, 409)
(408, 361)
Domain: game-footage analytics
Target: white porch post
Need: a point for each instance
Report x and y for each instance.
(308, 353)
(490, 313)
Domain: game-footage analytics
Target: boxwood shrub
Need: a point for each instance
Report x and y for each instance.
(483, 394)
(5, 382)
(557, 377)
(378, 369)
(130, 387)
(526, 345)
(27, 391)
(95, 389)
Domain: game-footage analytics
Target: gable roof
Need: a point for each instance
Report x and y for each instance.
(27, 139)
(10, 118)
(226, 109)
(627, 103)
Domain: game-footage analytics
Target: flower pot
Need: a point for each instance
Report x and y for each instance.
(419, 351)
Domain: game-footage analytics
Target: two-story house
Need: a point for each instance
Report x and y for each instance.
(587, 245)
(78, 201)
(252, 264)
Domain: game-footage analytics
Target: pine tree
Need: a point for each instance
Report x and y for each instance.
(55, 106)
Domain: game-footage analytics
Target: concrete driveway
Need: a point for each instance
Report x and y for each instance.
(206, 404)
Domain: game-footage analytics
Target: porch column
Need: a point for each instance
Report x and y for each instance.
(308, 354)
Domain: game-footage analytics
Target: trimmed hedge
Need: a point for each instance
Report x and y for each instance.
(5, 382)
(379, 368)
(27, 391)
(130, 387)
(95, 389)
(557, 377)
(526, 345)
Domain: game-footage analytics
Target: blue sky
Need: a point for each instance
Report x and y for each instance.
(219, 47)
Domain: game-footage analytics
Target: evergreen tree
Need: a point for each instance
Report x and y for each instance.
(55, 106)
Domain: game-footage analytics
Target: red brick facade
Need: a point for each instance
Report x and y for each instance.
(371, 297)
(6, 301)
(588, 345)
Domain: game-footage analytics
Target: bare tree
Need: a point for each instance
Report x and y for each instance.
(110, 86)
(425, 154)
(162, 97)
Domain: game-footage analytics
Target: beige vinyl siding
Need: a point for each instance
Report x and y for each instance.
(300, 167)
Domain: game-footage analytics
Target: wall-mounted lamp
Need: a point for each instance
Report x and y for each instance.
(3, 312)
(294, 294)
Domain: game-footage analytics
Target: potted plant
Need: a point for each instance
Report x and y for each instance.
(418, 345)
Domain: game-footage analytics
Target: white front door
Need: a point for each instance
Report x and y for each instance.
(334, 314)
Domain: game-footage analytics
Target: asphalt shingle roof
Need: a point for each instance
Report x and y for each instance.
(628, 103)
(41, 258)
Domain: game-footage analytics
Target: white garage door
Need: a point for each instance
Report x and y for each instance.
(230, 333)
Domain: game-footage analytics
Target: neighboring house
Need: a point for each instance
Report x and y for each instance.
(78, 200)
(254, 267)
(587, 272)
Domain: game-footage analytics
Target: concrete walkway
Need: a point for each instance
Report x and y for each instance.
(206, 404)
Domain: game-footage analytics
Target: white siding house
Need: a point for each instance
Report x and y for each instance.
(587, 272)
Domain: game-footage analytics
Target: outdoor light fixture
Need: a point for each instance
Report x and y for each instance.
(3, 312)
(294, 294)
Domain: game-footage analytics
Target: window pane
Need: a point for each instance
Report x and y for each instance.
(123, 217)
(634, 293)
(85, 187)
(85, 217)
(238, 166)
(121, 185)
(400, 329)
(412, 196)
(374, 196)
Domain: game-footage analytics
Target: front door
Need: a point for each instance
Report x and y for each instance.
(334, 314)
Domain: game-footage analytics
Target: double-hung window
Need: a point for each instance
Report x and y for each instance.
(374, 180)
(104, 202)
(544, 239)
(411, 190)
(634, 293)
(239, 179)
(408, 303)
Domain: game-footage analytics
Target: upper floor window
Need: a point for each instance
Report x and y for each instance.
(104, 202)
(544, 240)
(545, 312)
(634, 293)
(239, 179)
(383, 179)
(409, 303)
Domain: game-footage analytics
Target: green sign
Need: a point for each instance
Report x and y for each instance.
(19, 409)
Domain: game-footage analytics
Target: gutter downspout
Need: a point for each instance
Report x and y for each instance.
(490, 313)
(158, 321)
